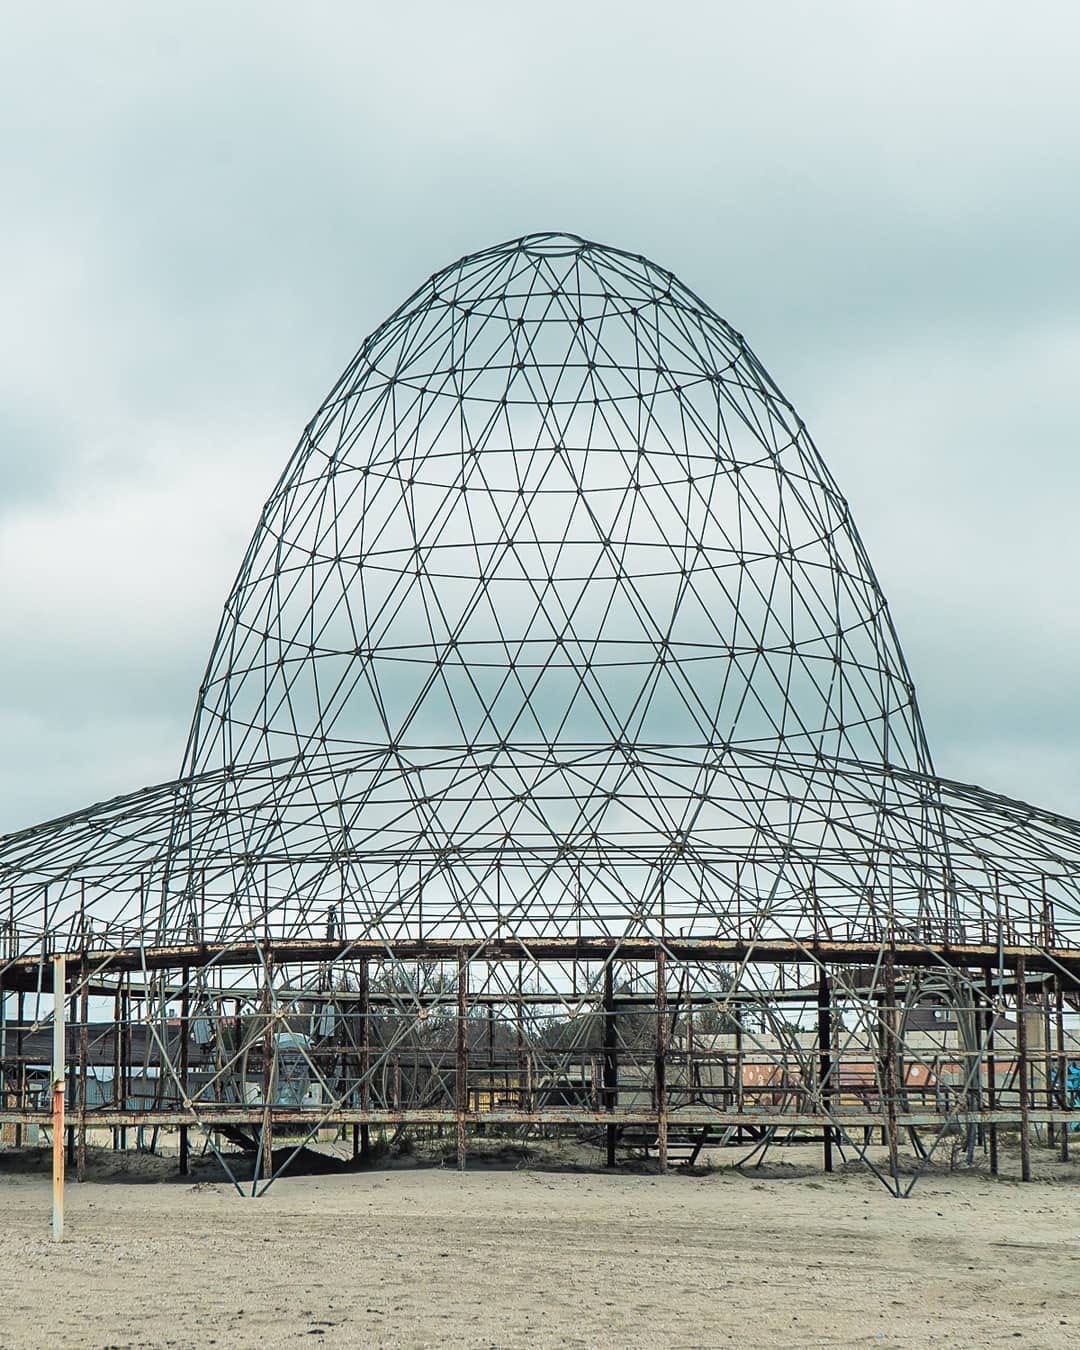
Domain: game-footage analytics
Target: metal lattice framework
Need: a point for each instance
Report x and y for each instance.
(556, 685)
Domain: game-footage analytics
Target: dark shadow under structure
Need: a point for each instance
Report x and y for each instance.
(556, 766)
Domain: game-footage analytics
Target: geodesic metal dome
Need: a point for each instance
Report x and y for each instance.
(555, 500)
(557, 599)
(555, 630)
(551, 569)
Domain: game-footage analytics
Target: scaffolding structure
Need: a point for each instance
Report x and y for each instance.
(556, 766)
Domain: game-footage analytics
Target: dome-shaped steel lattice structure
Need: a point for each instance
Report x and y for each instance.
(553, 571)
(555, 500)
(556, 682)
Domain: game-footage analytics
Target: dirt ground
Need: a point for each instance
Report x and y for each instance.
(541, 1255)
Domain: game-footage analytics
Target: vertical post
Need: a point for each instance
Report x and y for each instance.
(84, 1054)
(126, 1081)
(72, 1093)
(58, 1056)
(266, 1143)
(5, 1085)
(117, 1080)
(661, 1059)
(462, 1085)
(691, 1068)
(740, 1095)
(1047, 1068)
(1023, 1071)
(991, 1071)
(825, 1063)
(365, 1060)
(490, 1091)
(611, 1057)
(1062, 1063)
(1046, 940)
(20, 1072)
(185, 1036)
(524, 1097)
(491, 1038)
(888, 1066)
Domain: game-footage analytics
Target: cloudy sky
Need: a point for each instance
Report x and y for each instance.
(208, 209)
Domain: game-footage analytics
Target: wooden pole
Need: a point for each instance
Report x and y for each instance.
(58, 1074)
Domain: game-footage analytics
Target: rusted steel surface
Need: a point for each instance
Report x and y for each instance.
(23, 970)
(635, 1047)
(217, 1117)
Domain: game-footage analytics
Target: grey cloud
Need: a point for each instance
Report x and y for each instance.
(211, 208)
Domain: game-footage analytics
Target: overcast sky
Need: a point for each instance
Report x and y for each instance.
(208, 209)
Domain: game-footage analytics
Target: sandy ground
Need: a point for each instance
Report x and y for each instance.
(527, 1256)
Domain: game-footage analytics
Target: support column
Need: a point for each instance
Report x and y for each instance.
(1046, 1003)
(825, 1063)
(462, 1093)
(740, 1091)
(72, 1086)
(117, 1080)
(125, 1053)
(611, 1057)
(365, 1061)
(1062, 1062)
(58, 1079)
(185, 1036)
(524, 1094)
(20, 1070)
(888, 1065)
(661, 1060)
(84, 1055)
(267, 1139)
(1023, 1071)
(991, 1071)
